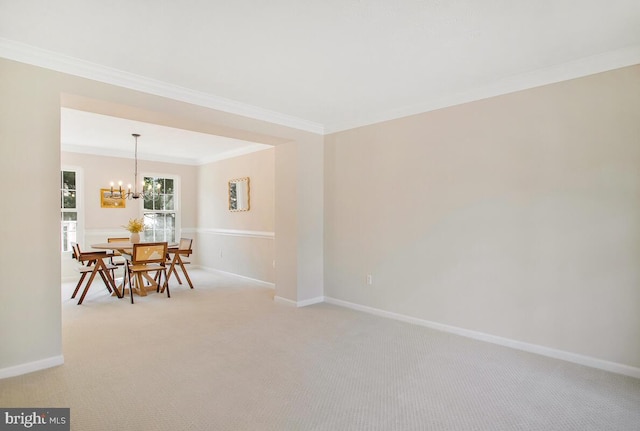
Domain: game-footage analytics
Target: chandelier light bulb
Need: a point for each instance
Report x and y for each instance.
(133, 194)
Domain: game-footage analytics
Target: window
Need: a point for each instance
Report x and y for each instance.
(160, 209)
(68, 209)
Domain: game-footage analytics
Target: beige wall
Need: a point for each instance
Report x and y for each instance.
(516, 216)
(299, 257)
(99, 171)
(30, 317)
(238, 242)
(98, 223)
(30, 101)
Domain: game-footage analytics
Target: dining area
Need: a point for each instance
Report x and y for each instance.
(231, 220)
(127, 268)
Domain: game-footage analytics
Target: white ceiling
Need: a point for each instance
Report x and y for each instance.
(90, 133)
(324, 65)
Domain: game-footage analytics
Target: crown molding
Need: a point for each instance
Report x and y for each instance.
(24, 53)
(604, 62)
(611, 60)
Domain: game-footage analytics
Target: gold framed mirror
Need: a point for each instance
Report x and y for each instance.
(239, 199)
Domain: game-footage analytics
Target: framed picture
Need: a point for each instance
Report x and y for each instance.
(239, 194)
(109, 200)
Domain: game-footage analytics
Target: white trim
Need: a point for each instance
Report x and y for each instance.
(30, 367)
(611, 60)
(514, 344)
(52, 60)
(177, 198)
(299, 304)
(285, 301)
(238, 232)
(122, 232)
(311, 301)
(80, 188)
(24, 53)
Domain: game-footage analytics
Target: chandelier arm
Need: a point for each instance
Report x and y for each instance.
(131, 194)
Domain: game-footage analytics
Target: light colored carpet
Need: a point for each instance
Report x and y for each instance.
(224, 356)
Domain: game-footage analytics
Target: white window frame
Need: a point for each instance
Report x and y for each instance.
(79, 209)
(176, 199)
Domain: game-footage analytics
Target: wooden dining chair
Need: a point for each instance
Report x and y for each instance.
(116, 257)
(177, 257)
(146, 258)
(92, 263)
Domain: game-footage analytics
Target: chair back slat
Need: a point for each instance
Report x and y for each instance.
(86, 257)
(150, 252)
(75, 251)
(117, 239)
(116, 252)
(185, 244)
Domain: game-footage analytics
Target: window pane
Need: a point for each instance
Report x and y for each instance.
(157, 202)
(68, 189)
(69, 216)
(168, 186)
(149, 222)
(170, 223)
(168, 202)
(68, 234)
(68, 199)
(148, 202)
(159, 207)
(68, 180)
(148, 199)
(69, 219)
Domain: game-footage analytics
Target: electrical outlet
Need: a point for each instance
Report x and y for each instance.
(369, 279)
(274, 263)
(220, 252)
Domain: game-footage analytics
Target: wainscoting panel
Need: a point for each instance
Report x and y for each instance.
(241, 252)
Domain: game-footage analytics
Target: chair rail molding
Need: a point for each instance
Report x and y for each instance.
(124, 232)
(238, 232)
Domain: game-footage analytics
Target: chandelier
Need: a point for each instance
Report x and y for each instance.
(119, 193)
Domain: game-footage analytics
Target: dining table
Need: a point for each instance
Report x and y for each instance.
(126, 248)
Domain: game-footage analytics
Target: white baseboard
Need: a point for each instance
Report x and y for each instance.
(306, 302)
(286, 301)
(299, 304)
(514, 344)
(30, 367)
